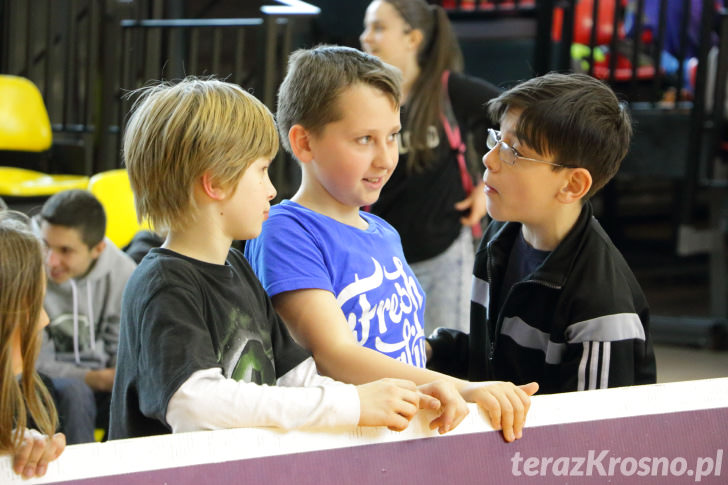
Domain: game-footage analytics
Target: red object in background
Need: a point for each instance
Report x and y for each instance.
(583, 22)
(623, 69)
(486, 5)
(692, 71)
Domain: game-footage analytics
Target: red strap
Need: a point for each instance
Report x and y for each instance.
(456, 143)
(455, 139)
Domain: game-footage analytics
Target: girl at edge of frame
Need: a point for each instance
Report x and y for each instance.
(22, 318)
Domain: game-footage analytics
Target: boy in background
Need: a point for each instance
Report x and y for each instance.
(553, 299)
(201, 346)
(86, 278)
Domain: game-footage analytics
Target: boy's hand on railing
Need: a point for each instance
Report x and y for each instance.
(388, 402)
(505, 403)
(453, 407)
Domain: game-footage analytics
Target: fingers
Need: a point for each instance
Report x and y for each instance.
(22, 454)
(475, 204)
(463, 204)
(472, 217)
(428, 402)
(60, 441)
(492, 407)
(458, 416)
(470, 220)
(398, 423)
(452, 405)
(403, 410)
(531, 388)
(513, 403)
(388, 402)
(521, 403)
(53, 449)
(449, 419)
(505, 404)
(446, 420)
(393, 403)
(36, 458)
(406, 397)
(398, 419)
(507, 416)
(34, 454)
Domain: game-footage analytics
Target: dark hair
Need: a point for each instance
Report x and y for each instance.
(574, 118)
(316, 77)
(439, 51)
(77, 209)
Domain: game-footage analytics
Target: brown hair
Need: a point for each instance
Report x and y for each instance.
(315, 79)
(22, 289)
(438, 52)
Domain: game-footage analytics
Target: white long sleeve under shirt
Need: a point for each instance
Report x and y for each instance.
(301, 399)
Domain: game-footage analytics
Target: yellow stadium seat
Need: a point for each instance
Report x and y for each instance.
(24, 123)
(114, 192)
(25, 127)
(19, 182)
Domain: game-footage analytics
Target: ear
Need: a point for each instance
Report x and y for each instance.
(577, 184)
(415, 37)
(211, 188)
(300, 140)
(98, 249)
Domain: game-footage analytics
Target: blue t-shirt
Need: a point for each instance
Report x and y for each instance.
(364, 269)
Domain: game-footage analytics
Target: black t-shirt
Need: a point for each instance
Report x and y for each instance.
(181, 315)
(420, 205)
(522, 262)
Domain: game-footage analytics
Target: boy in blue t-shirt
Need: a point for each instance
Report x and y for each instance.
(337, 275)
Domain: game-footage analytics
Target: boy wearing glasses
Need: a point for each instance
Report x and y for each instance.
(553, 300)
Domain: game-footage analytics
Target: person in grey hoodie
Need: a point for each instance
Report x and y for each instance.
(87, 274)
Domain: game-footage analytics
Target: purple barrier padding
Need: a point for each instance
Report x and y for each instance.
(684, 447)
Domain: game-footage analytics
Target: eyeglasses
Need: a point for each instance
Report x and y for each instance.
(507, 153)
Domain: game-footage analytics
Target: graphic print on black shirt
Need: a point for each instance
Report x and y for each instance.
(242, 353)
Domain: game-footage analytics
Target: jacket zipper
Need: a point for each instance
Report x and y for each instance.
(499, 320)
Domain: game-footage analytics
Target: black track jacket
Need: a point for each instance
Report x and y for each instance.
(579, 322)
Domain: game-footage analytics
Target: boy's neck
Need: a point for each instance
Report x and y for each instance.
(91, 266)
(326, 206)
(201, 243)
(549, 234)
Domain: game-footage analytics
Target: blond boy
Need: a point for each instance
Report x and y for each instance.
(201, 346)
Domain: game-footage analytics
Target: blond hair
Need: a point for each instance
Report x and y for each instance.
(22, 288)
(177, 132)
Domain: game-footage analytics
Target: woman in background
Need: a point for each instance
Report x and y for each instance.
(433, 199)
